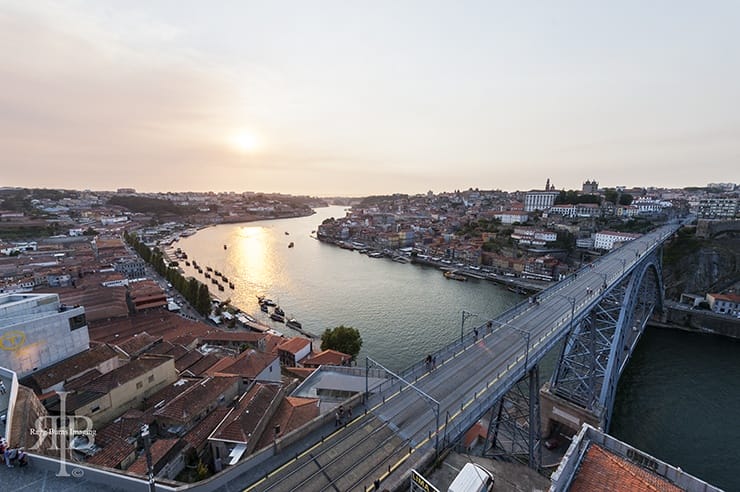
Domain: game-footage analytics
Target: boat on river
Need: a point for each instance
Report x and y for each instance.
(275, 316)
(291, 244)
(455, 276)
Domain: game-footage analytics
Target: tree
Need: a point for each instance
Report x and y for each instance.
(345, 339)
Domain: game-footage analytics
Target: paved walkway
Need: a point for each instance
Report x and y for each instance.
(30, 479)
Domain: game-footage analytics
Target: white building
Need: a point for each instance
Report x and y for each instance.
(718, 208)
(511, 216)
(539, 200)
(607, 239)
(36, 331)
(724, 303)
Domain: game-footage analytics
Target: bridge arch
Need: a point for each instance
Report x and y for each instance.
(602, 340)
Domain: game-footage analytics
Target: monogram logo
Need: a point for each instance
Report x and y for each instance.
(12, 340)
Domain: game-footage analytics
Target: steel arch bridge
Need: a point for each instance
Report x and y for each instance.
(599, 345)
(406, 419)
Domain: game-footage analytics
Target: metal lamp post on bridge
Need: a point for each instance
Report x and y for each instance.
(465, 315)
(572, 301)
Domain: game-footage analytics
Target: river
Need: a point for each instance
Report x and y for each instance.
(677, 399)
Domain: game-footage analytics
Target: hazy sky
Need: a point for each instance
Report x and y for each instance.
(368, 97)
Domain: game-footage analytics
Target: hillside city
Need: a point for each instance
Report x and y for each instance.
(137, 342)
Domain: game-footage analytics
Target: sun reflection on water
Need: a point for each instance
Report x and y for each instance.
(251, 258)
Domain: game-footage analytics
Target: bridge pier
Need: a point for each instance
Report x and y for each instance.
(558, 415)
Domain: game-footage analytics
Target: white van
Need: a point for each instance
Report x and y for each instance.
(472, 478)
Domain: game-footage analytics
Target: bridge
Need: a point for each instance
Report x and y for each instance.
(594, 317)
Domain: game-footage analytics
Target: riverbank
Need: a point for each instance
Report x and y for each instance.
(681, 317)
(513, 283)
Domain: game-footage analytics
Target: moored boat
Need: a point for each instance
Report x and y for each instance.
(293, 323)
(277, 317)
(455, 276)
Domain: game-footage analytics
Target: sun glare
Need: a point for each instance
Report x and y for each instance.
(244, 141)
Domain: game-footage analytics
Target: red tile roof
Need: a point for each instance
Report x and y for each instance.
(249, 364)
(232, 336)
(602, 470)
(198, 435)
(113, 453)
(241, 423)
(160, 449)
(187, 360)
(200, 367)
(169, 392)
(327, 357)
(137, 344)
(293, 413)
(301, 372)
(70, 367)
(196, 399)
(294, 345)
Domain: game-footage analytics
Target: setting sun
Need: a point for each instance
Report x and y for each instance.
(245, 141)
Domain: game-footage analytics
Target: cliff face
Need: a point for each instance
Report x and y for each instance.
(699, 266)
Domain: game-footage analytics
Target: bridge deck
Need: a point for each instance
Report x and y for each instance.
(468, 378)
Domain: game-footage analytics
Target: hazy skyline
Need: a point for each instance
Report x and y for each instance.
(356, 98)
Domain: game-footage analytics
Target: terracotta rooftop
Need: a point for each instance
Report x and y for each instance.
(292, 413)
(137, 344)
(727, 297)
(101, 303)
(294, 345)
(161, 348)
(80, 382)
(160, 450)
(187, 360)
(198, 435)
(170, 392)
(69, 367)
(602, 470)
(197, 398)
(232, 336)
(301, 372)
(272, 342)
(203, 365)
(327, 357)
(124, 427)
(241, 424)
(156, 323)
(249, 364)
(113, 454)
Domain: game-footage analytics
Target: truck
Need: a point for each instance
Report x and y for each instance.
(472, 478)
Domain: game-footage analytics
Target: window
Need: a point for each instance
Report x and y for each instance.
(77, 322)
(95, 408)
(151, 378)
(139, 385)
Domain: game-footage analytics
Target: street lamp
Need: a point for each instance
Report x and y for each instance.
(572, 301)
(465, 315)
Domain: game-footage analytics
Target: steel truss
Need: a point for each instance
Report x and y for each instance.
(514, 425)
(600, 344)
